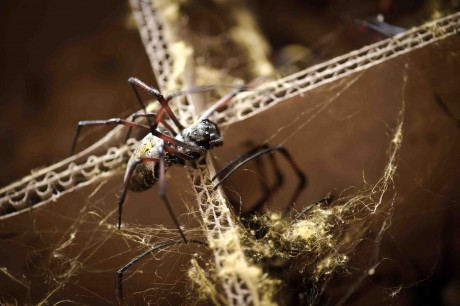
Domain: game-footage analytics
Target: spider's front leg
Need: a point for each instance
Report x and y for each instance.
(117, 121)
(135, 84)
(164, 101)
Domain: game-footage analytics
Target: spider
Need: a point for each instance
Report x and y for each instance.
(163, 147)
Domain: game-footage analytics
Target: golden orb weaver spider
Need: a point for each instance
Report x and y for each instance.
(163, 147)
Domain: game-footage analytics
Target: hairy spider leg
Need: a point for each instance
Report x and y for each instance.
(102, 122)
(157, 247)
(243, 159)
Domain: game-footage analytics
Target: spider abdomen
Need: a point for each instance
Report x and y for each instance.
(146, 174)
(143, 178)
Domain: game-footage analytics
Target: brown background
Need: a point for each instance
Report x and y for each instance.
(68, 62)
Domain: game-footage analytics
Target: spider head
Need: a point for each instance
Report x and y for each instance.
(205, 134)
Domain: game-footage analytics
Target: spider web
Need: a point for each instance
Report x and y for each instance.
(78, 264)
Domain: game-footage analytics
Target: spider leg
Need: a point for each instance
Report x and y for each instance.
(163, 194)
(159, 116)
(239, 160)
(268, 150)
(157, 247)
(222, 102)
(149, 115)
(102, 122)
(135, 84)
(162, 121)
(268, 191)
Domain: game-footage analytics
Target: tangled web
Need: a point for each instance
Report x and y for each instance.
(295, 257)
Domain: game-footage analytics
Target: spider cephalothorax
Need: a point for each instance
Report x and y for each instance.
(205, 134)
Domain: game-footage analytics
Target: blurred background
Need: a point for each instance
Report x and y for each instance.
(62, 62)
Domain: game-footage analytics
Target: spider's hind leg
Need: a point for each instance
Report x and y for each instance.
(164, 195)
(237, 163)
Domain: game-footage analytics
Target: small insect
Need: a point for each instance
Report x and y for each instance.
(163, 147)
